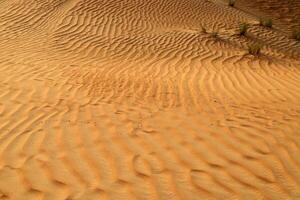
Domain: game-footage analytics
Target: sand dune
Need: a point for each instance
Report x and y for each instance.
(128, 99)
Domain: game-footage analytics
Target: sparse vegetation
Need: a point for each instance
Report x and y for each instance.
(243, 28)
(203, 29)
(296, 33)
(215, 34)
(231, 3)
(266, 22)
(254, 49)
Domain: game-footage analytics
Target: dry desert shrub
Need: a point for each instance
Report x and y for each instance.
(215, 34)
(254, 49)
(203, 29)
(296, 33)
(231, 3)
(266, 22)
(243, 28)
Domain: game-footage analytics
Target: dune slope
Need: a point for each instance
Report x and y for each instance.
(129, 99)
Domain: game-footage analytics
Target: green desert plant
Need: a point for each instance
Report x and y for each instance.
(254, 49)
(243, 28)
(296, 33)
(231, 3)
(266, 22)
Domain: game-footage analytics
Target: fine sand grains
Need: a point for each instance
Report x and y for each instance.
(130, 99)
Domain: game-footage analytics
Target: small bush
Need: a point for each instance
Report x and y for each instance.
(266, 22)
(296, 33)
(243, 28)
(203, 29)
(231, 3)
(215, 34)
(254, 49)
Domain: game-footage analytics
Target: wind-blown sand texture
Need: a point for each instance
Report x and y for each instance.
(128, 99)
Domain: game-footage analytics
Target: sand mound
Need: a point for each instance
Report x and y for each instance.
(128, 99)
(286, 14)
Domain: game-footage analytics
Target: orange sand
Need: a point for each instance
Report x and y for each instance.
(128, 99)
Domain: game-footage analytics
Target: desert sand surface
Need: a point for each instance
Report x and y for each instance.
(129, 99)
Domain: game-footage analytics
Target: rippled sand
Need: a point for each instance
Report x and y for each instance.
(128, 99)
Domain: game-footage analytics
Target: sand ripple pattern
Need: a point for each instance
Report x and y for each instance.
(127, 99)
